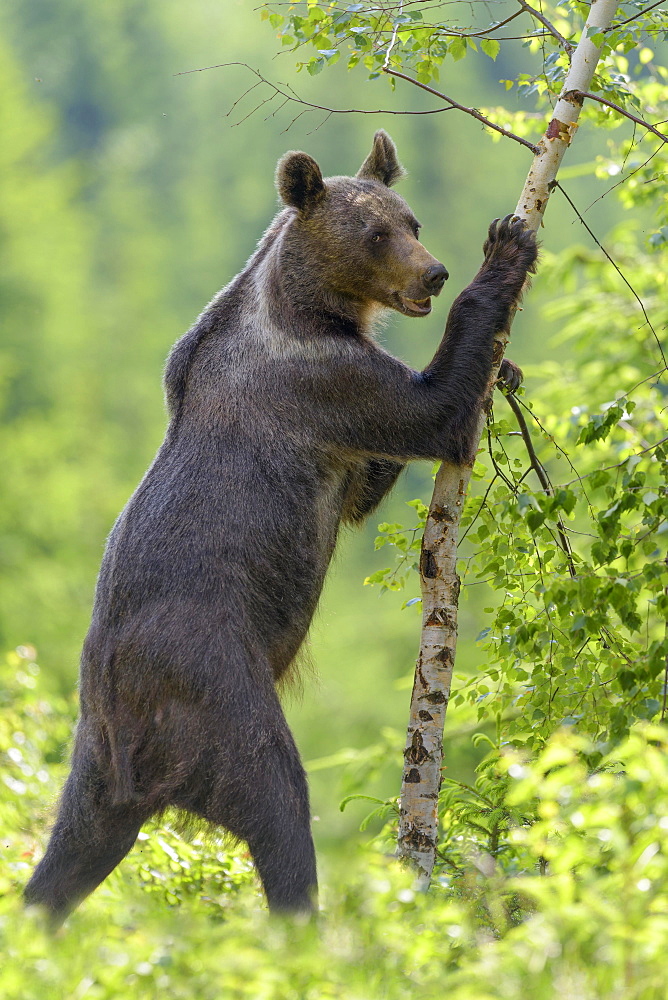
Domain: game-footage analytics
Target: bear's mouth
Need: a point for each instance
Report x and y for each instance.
(415, 307)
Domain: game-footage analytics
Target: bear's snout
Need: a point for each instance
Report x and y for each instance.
(434, 278)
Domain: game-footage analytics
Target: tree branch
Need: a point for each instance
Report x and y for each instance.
(308, 106)
(461, 107)
(565, 44)
(479, 34)
(617, 465)
(620, 24)
(621, 111)
(543, 478)
(619, 272)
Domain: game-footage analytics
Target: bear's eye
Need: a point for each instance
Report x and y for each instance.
(378, 237)
(416, 230)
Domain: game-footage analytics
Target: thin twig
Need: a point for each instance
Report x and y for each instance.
(558, 447)
(565, 44)
(480, 508)
(258, 83)
(619, 272)
(452, 33)
(625, 178)
(267, 100)
(497, 469)
(538, 468)
(622, 111)
(635, 17)
(290, 95)
(648, 378)
(543, 478)
(493, 27)
(617, 465)
(478, 34)
(461, 107)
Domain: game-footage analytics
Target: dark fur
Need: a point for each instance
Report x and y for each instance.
(286, 420)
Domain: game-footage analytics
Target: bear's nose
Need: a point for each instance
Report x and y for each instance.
(434, 278)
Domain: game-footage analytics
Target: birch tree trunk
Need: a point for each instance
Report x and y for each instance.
(418, 823)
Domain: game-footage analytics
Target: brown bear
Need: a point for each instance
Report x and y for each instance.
(286, 421)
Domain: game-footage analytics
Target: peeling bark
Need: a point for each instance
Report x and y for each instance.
(418, 822)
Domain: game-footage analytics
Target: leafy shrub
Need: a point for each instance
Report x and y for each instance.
(574, 901)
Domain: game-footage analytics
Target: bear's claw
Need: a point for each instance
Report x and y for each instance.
(511, 238)
(510, 375)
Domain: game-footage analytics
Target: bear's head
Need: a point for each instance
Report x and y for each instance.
(354, 237)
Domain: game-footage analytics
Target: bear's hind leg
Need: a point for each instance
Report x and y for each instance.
(258, 791)
(90, 837)
(278, 831)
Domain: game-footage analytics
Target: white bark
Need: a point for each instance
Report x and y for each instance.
(418, 823)
(562, 128)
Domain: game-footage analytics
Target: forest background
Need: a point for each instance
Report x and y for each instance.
(131, 193)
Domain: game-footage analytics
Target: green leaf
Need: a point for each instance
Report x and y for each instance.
(599, 478)
(457, 48)
(534, 519)
(356, 796)
(490, 47)
(596, 36)
(565, 500)
(659, 238)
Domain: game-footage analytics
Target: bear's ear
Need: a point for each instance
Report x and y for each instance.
(382, 163)
(299, 181)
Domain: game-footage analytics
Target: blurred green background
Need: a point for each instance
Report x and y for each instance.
(130, 196)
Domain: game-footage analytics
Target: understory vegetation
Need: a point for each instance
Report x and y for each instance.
(556, 882)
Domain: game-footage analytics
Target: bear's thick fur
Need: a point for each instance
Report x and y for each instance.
(286, 420)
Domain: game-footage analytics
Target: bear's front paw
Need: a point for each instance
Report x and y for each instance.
(511, 242)
(510, 375)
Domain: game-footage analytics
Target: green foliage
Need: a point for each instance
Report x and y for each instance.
(383, 38)
(373, 37)
(575, 901)
(406, 542)
(34, 734)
